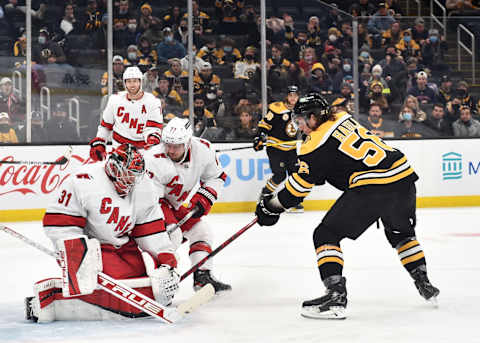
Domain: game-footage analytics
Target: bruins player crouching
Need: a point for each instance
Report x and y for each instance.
(278, 132)
(377, 183)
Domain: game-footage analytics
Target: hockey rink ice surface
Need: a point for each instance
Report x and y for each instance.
(272, 270)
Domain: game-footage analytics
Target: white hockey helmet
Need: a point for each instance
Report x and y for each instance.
(132, 73)
(178, 131)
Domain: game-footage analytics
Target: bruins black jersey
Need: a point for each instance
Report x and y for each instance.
(345, 154)
(278, 126)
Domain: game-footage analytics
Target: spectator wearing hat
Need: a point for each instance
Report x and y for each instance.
(376, 95)
(466, 126)
(91, 19)
(423, 93)
(118, 69)
(177, 76)
(38, 133)
(319, 81)
(169, 48)
(437, 121)
(376, 123)
(461, 98)
(59, 128)
(381, 21)
(445, 91)
(45, 51)
(146, 19)
(206, 80)
(419, 33)
(408, 46)
(202, 118)
(7, 132)
(11, 102)
(247, 67)
(434, 49)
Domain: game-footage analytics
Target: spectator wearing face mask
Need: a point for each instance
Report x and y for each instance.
(46, 51)
(122, 12)
(409, 128)
(228, 54)
(202, 117)
(133, 56)
(209, 52)
(198, 62)
(169, 48)
(433, 52)
(365, 61)
(7, 132)
(308, 60)
(246, 68)
(466, 126)
(466, 99)
(408, 46)
(334, 39)
(297, 44)
(181, 32)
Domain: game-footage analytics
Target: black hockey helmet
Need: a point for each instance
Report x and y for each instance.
(292, 89)
(312, 103)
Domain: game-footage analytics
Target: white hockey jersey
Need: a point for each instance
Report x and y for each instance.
(130, 121)
(174, 181)
(87, 203)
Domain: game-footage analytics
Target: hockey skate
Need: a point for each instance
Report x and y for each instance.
(29, 312)
(203, 277)
(297, 209)
(424, 287)
(330, 306)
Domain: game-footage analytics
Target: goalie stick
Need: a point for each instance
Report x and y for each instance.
(219, 248)
(60, 161)
(124, 293)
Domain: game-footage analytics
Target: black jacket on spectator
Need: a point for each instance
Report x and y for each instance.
(40, 53)
(423, 95)
(442, 126)
(61, 130)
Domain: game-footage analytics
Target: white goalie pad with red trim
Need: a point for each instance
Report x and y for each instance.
(80, 259)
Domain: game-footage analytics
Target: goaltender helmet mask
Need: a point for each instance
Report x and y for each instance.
(125, 167)
(178, 131)
(312, 104)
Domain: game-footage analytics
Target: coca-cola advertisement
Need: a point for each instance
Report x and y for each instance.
(34, 173)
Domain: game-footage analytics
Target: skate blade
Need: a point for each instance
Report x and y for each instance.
(335, 313)
(295, 210)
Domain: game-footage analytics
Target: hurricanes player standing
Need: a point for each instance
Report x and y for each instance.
(131, 116)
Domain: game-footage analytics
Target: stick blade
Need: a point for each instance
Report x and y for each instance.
(201, 297)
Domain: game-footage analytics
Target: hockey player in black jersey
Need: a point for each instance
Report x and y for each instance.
(377, 183)
(277, 131)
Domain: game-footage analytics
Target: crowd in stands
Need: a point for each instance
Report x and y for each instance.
(406, 88)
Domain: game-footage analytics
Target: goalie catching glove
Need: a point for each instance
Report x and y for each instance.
(80, 259)
(268, 211)
(203, 201)
(163, 276)
(98, 151)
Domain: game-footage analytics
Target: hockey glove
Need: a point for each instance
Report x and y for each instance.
(98, 151)
(267, 214)
(203, 201)
(152, 139)
(164, 278)
(259, 141)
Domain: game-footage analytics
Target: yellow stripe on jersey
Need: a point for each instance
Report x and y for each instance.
(328, 247)
(293, 191)
(322, 133)
(407, 246)
(281, 145)
(397, 171)
(301, 181)
(264, 125)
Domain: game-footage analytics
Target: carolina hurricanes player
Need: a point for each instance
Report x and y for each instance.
(177, 166)
(105, 218)
(132, 116)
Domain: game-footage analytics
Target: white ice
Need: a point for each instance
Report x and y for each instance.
(272, 270)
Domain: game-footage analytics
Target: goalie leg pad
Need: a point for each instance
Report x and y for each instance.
(80, 259)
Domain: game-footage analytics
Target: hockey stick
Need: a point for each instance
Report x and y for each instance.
(183, 220)
(217, 250)
(251, 147)
(232, 149)
(121, 291)
(60, 161)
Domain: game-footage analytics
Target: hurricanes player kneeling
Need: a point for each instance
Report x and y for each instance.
(177, 166)
(105, 219)
(132, 116)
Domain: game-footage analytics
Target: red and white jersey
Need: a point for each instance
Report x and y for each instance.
(87, 203)
(174, 181)
(131, 121)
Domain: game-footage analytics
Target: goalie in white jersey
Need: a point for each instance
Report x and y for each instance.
(177, 166)
(106, 219)
(132, 116)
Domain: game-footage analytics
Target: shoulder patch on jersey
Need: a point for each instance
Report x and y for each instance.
(278, 107)
(318, 137)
